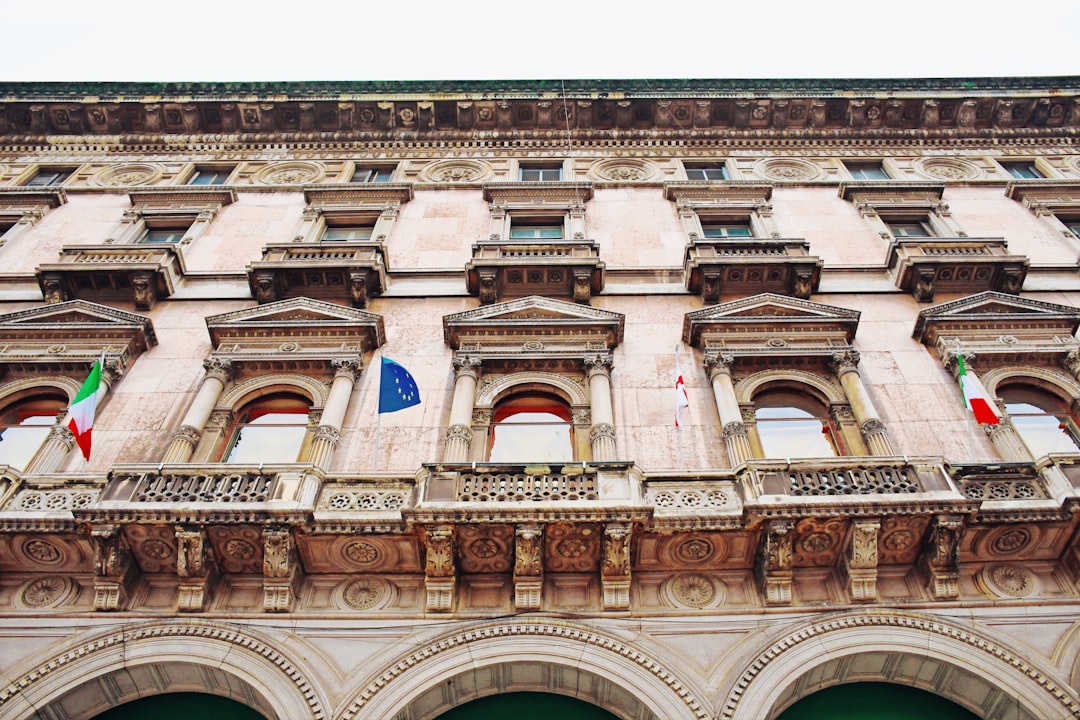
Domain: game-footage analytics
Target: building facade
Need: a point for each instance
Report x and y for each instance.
(824, 263)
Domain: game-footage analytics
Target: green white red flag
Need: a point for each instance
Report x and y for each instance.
(976, 399)
(84, 407)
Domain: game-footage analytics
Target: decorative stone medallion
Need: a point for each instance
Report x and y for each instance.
(456, 171)
(156, 549)
(1009, 580)
(127, 175)
(44, 592)
(693, 590)
(1009, 541)
(787, 170)
(290, 173)
(239, 549)
(363, 594)
(946, 169)
(362, 553)
(694, 550)
(43, 552)
(622, 170)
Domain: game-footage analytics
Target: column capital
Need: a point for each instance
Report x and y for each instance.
(468, 365)
(599, 363)
(716, 363)
(1071, 361)
(348, 367)
(602, 430)
(845, 361)
(221, 369)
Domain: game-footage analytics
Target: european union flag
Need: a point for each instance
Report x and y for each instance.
(397, 388)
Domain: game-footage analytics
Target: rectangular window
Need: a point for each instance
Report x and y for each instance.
(707, 172)
(49, 177)
(347, 233)
(866, 171)
(372, 174)
(536, 232)
(539, 173)
(726, 229)
(914, 228)
(1024, 170)
(170, 236)
(1074, 227)
(210, 176)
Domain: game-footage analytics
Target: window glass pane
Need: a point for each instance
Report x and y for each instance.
(535, 232)
(531, 437)
(789, 432)
(706, 172)
(209, 177)
(1043, 432)
(19, 442)
(47, 178)
(723, 230)
(163, 236)
(372, 175)
(270, 437)
(344, 234)
(910, 229)
(1022, 170)
(867, 171)
(527, 174)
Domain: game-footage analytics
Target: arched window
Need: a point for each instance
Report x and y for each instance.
(531, 427)
(268, 430)
(1042, 419)
(793, 425)
(24, 426)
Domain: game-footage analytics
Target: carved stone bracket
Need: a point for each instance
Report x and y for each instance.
(941, 559)
(280, 570)
(114, 567)
(195, 567)
(615, 568)
(440, 575)
(528, 566)
(775, 562)
(861, 560)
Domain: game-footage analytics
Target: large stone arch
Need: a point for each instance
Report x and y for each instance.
(989, 678)
(188, 655)
(1055, 381)
(491, 392)
(828, 392)
(545, 656)
(248, 390)
(22, 387)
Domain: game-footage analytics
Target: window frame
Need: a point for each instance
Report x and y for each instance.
(225, 172)
(800, 399)
(66, 172)
(858, 170)
(278, 403)
(1013, 168)
(543, 168)
(693, 167)
(375, 173)
(531, 402)
(1026, 392)
(22, 404)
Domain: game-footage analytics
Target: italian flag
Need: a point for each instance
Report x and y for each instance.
(681, 400)
(81, 412)
(976, 398)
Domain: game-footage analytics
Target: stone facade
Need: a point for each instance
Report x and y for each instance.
(835, 247)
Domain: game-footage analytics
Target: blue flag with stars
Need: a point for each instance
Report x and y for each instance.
(397, 388)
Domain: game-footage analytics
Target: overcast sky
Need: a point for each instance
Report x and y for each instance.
(223, 40)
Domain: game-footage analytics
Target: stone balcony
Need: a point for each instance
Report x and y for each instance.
(924, 266)
(334, 271)
(141, 274)
(747, 266)
(500, 270)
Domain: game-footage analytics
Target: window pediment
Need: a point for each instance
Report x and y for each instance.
(74, 333)
(876, 192)
(370, 195)
(17, 202)
(730, 193)
(1053, 196)
(770, 324)
(536, 322)
(1007, 327)
(531, 193)
(299, 330)
(181, 198)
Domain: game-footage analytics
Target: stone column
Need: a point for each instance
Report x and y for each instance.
(736, 439)
(1003, 436)
(61, 440)
(333, 415)
(458, 438)
(874, 433)
(218, 372)
(602, 433)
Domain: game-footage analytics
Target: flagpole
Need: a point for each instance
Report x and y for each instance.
(378, 427)
(678, 425)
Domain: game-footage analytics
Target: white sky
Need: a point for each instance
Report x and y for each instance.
(227, 40)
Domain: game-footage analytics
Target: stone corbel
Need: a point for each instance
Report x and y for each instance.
(114, 567)
(582, 285)
(528, 566)
(489, 291)
(615, 568)
(195, 568)
(440, 575)
(358, 292)
(861, 560)
(281, 575)
(775, 562)
(940, 557)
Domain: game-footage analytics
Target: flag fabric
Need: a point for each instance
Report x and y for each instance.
(976, 399)
(84, 407)
(397, 388)
(681, 400)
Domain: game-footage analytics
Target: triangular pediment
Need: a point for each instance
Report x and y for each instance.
(324, 323)
(78, 331)
(533, 316)
(768, 313)
(992, 314)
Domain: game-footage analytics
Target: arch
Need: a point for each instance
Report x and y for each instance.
(1048, 379)
(827, 392)
(572, 391)
(248, 390)
(648, 687)
(766, 684)
(238, 657)
(18, 389)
